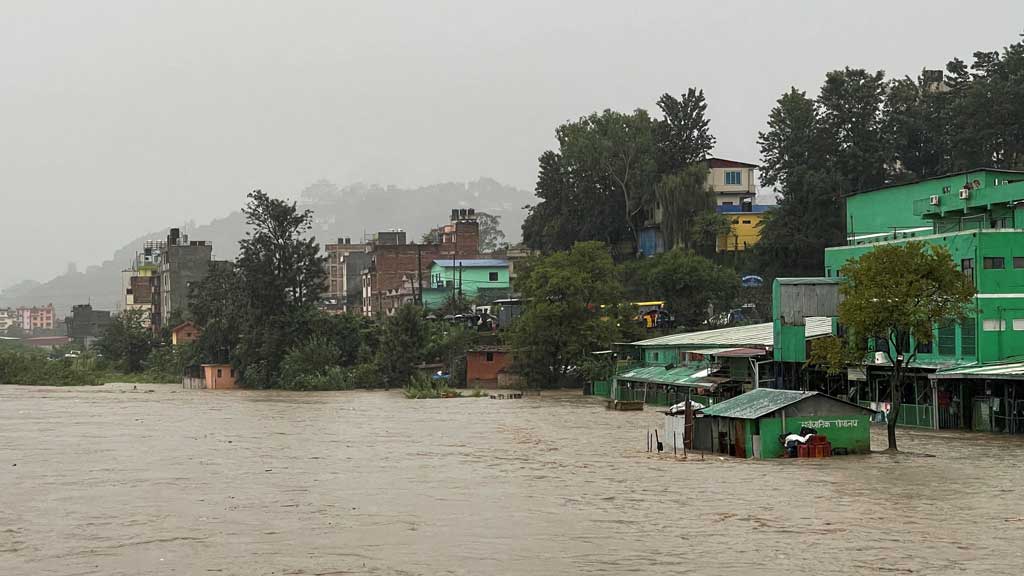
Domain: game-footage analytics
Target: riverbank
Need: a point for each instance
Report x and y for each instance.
(117, 480)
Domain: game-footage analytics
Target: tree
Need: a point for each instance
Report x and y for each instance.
(684, 197)
(491, 236)
(683, 134)
(126, 341)
(895, 293)
(851, 129)
(257, 311)
(809, 214)
(596, 186)
(563, 322)
(402, 341)
(694, 288)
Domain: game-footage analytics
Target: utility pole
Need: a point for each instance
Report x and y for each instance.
(419, 275)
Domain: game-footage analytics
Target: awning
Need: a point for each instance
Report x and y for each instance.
(689, 376)
(1001, 370)
(742, 353)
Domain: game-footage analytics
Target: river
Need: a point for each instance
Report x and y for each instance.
(116, 480)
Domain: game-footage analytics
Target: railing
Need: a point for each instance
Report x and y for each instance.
(911, 415)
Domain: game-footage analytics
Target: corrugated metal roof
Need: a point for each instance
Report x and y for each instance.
(1002, 370)
(692, 376)
(756, 403)
(752, 336)
(477, 263)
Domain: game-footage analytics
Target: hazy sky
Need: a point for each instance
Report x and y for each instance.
(120, 118)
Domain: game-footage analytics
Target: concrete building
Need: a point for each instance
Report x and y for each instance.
(85, 324)
(8, 317)
(140, 282)
(468, 278)
(734, 186)
(35, 318)
(398, 272)
(181, 263)
(746, 226)
(971, 374)
(345, 264)
(485, 364)
(732, 181)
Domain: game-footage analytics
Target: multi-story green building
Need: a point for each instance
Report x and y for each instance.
(972, 374)
(472, 278)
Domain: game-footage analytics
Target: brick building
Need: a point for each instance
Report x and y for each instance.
(485, 363)
(397, 270)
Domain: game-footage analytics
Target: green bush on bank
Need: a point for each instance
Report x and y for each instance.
(34, 368)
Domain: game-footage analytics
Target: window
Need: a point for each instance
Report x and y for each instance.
(746, 221)
(448, 283)
(219, 373)
(128, 291)
(493, 276)
(726, 203)
(490, 356)
(923, 348)
(232, 372)
(969, 337)
(967, 266)
(1018, 262)
(733, 178)
(993, 325)
(1018, 323)
(947, 339)
(654, 356)
(993, 263)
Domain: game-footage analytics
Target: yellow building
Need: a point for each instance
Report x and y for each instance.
(746, 230)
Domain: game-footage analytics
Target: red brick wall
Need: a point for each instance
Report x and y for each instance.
(479, 370)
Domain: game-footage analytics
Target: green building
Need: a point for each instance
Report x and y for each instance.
(473, 279)
(979, 217)
(707, 366)
(750, 425)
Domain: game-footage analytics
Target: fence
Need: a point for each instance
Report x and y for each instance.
(654, 396)
(911, 415)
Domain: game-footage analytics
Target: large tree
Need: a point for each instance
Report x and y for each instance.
(563, 321)
(491, 236)
(683, 133)
(684, 197)
(403, 341)
(693, 287)
(126, 341)
(896, 294)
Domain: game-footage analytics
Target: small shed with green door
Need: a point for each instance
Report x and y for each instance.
(751, 425)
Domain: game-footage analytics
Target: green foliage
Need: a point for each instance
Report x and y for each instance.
(366, 376)
(563, 323)
(684, 198)
(601, 183)
(403, 338)
(693, 287)
(34, 368)
(683, 134)
(491, 236)
(126, 342)
(420, 386)
(596, 185)
(448, 343)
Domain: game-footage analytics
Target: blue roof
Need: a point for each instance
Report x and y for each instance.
(754, 209)
(471, 263)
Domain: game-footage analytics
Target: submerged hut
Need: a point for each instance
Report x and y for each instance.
(751, 425)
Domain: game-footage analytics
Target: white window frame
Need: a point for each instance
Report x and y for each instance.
(993, 325)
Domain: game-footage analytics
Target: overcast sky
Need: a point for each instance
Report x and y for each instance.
(120, 118)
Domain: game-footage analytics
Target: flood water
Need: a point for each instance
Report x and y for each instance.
(112, 481)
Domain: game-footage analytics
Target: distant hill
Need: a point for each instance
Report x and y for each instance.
(349, 211)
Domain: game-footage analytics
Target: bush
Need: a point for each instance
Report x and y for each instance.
(33, 368)
(420, 386)
(366, 376)
(333, 378)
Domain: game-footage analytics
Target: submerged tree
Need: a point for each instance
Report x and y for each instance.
(895, 293)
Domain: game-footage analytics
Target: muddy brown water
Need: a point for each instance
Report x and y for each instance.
(112, 481)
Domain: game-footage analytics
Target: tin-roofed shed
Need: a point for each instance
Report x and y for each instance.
(750, 425)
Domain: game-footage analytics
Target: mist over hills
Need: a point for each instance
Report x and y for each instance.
(349, 211)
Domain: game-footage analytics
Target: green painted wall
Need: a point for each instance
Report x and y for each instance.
(1001, 292)
(907, 206)
(856, 437)
(444, 278)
